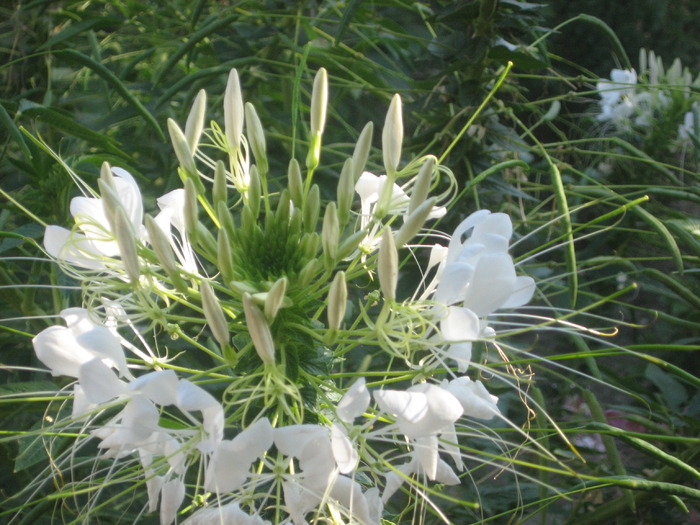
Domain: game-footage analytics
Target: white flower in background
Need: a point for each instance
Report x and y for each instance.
(616, 94)
(172, 215)
(225, 514)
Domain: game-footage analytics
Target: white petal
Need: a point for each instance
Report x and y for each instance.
(426, 453)
(445, 474)
(173, 206)
(474, 398)
(193, 397)
(354, 402)
(160, 386)
(491, 285)
(523, 290)
(344, 452)
(129, 195)
(172, 495)
(453, 281)
(460, 324)
(72, 248)
(456, 242)
(99, 382)
(57, 349)
(349, 494)
(104, 344)
(461, 353)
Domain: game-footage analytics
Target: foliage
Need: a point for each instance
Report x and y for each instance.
(606, 223)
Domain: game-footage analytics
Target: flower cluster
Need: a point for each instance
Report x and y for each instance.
(635, 103)
(257, 409)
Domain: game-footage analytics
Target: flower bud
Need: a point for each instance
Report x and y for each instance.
(233, 111)
(312, 208)
(190, 211)
(107, 176)
(126, 240)
(219, 192)
(226, 219)
(421, 186)
(337, 300)
(388, 265)
(256, 138)
(284, 207)
(319, 102)
(308, 272)
(259, 331)
(392, 137)
(182, 149)
(195, 120)
(214, 314)
(109, 200)
(253, 195)
(330, 233)
(224, 257)
(161, 246)
(206, 241)
(345, 192)
(275, 298)
(414, 222)
(294, 183)
(361, 152)
(351, 243)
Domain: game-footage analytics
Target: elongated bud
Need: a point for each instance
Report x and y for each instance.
(195, 120)
(312, 208)
(219, 192)
(309, 244)
(337, 300)
(345, 193)
(350, 244)
(319, 102)
(388, 265)
(214, 314)
(190, 211)
(233, 111)
(392, 137)
(330, 233)
(275, 298)
(226, 219)
(242, 287)
(224, 257)
(182, 149)
(126, 240)
(107, 176)
(386, 194)
(361, 152)
(284, 207)
(206, 241)
(161, 246)
(422, 185)
(294, 182)
(259, 331)
(308, 272)
(256, 138)
(253, 195)
(109, 199)
(414, 222)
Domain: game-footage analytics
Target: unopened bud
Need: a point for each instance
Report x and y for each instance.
(308, 272)
(345, 193)
(253, 194)
(126, 240)
(294, 182)
(214, 314)
(206, 241)
(109, 200)
(330, 233)
(392, 137)
(224, 257)
(388, 265)
(219, 192)
(195, 120)
(319, 102)
(337, 301)
(233, 112)
(259, 331)
(190, 212)
(414, 222)
(182, 149)
(421, 187)
(350, 244)
(107, 176)
(312, 208)
(256, 138)
(284, 207)
(275, 298)
(361, 152)
(226, 219)
(161, 245)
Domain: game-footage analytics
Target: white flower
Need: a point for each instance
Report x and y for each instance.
(230, 514)
(65, 349)
(172, 214)
(474, 398)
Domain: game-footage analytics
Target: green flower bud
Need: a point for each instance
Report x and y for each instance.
(161, 246)
(414, 222)
(224, 256)
(259, 331)
(226, 219)
(253, 195)
(361, 152)
(191, 211)
(350, 244)
(214, 314)
(388, 265)
(182, 149)
(233, 112)
(256, 138)
(283, 208)
(337, 301)
(312, 208)
(206, 241)
(295, 183)
(345, 192)
(219, 191)
(309, 245)
(308, 272)
(330, 233)
(110, 200)
(242, 287)
(319, 102)
(421, 186)
(392, 137)
(275, 298)
(126, 240)
(195, 120)
(107, 176)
